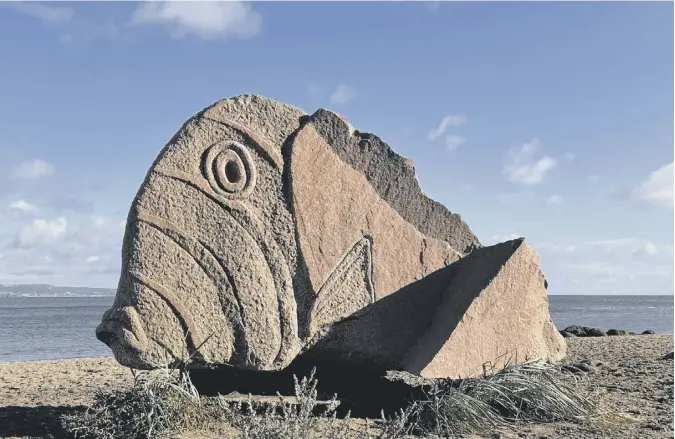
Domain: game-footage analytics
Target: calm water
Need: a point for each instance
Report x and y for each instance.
(38, 328)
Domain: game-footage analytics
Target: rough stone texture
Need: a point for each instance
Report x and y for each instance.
(208, 259)
(261, 233)
(494, 312)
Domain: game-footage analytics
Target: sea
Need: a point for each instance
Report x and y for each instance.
(49, 328)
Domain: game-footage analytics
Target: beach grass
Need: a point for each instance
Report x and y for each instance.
(529, 393)
(166, 404)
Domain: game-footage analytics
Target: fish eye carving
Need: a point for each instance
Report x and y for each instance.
(229, 169)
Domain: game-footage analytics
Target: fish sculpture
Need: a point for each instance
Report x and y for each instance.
(261, 233)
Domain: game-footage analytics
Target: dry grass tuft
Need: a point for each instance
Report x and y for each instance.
(527, 393)
(155, 406)
(165, 403)
(282, 419)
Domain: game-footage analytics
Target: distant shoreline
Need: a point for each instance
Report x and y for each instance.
(63, 327)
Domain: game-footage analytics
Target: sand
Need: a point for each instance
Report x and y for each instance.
(630, 378)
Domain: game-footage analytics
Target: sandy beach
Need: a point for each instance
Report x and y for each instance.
(629, 376)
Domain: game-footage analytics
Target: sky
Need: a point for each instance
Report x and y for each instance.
(552, 121)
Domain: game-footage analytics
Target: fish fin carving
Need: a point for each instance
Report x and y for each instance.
(347, 290)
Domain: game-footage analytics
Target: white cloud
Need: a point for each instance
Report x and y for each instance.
(525, 166)
(451, 120)
(343, 94)
(554, 200)
(42, 232)
(69, 26)
(207, 20)
(33, 170)
(612, 266)
(626, 246)
(22, 206)
(598, 269)
(570, 156)
(651, 249)
(657, 188)
(46, 14)
(83, 250)
(106, 224)
(452, 142)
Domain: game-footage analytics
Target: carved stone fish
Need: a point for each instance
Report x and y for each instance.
(260, 231)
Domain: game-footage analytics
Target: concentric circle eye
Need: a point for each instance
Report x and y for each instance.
(229, 169)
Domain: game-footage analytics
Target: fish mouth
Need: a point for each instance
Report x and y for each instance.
(120, 329)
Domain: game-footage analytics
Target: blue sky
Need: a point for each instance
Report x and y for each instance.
(552, 121)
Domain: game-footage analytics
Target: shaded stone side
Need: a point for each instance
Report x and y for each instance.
(381, 334)
(494, 311)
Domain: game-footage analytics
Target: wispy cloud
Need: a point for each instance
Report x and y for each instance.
(207, 20)
(103, 223)
(657, 188)
(343, 94)
(452, 142)
(32, 170)
(625, 246)
(81, 250)
(451, 120)
(22, 206)
(612, 266)
(69, 26)
(47, 14)
(42, 232)
(554, 200)
(526, 166)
